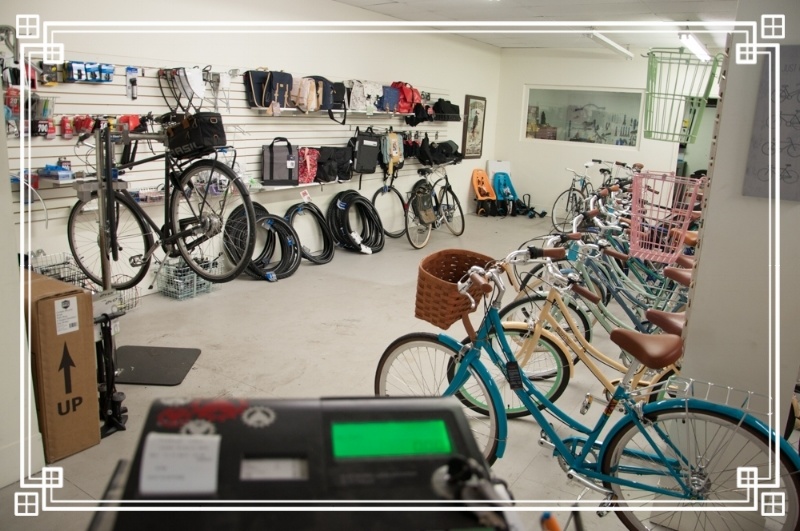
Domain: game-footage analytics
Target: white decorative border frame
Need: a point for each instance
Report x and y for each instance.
(28, 27)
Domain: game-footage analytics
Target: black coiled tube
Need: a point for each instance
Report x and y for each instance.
(329, 245)
(371, 238)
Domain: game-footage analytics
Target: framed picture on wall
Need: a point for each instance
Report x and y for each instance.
(475, 111)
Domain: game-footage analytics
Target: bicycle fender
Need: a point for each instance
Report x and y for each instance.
(676, 404)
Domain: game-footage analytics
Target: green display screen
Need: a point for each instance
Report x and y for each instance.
(405, 438)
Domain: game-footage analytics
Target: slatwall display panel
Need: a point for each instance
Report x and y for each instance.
(247, 130)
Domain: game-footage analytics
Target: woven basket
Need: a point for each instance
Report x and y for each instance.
(438, 300)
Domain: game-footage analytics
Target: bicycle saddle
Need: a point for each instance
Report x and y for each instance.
(681, 276)
(669, 322)
(685, 260)
(654, 351)
(424, 171)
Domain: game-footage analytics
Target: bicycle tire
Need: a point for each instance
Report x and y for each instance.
(371, 235)
(386, 200)
(201, 205)
(566, 207)
(134, 238)
(416, 365)
(724, 439)
(450, 209)
(281, 238)
(324, 255)
(418, 232)
(548, 370)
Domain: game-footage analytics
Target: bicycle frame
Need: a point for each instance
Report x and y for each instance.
(567, 448)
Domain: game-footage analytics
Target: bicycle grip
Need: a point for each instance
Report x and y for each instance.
(586, 293)
(589, 214)
(614, 188)
(603, 192)
(478, 280)
(615, 254)
(555, 253)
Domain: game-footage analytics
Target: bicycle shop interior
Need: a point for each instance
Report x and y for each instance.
(321, 331)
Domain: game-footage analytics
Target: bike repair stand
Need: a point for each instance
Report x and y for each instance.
(135, 365)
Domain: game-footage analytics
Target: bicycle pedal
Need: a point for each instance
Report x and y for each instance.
(137, 261)
(587, 403)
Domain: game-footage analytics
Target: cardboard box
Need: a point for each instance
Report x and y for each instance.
(63, 361)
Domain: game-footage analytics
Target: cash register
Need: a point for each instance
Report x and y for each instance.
(329, 463)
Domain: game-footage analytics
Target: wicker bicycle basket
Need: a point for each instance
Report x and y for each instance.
(438, 300)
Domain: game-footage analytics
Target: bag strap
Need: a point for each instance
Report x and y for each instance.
(253, 92)
(272, 156)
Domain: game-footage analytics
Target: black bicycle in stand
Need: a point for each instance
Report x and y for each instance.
(200, 192)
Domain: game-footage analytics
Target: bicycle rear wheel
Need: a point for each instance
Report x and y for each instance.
(388, 202)
(566, 207)
(417, 231)
(208, 192)
(133, 241)
(703, 448)
(417, 365)
(450, 208)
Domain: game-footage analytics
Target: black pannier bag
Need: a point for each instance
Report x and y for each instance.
(446, 111)
(196, 135)
(280, 164)
(334, 164)
(366, 150)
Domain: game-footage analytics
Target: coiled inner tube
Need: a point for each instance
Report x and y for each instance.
(272, 233)
(371, 237)
(329, 245)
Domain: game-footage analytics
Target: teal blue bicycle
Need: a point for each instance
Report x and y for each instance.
(678, 463)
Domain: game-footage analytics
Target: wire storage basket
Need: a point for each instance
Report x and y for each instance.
(177, 280)
(678, 86)
(438, 300)
(661, 211)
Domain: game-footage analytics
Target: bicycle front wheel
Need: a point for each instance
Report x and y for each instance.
(450, 209)
(545, 364)
(417, 231)
(389, 204)
(133, 240)
(702, 449)
(566, 208)
(214, 247)
(417, 365)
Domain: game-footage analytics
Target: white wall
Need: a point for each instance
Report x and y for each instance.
(538, 165)
(728, 337)
(425, 60)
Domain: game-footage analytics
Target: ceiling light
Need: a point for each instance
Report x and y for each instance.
(602, 40)
(695, 46)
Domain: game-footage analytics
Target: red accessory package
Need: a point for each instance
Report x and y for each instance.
(66, 128)
(83, 124)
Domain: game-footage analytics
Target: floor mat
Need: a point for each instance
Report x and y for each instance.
(154, 365)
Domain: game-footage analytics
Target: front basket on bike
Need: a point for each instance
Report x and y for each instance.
(438, 300)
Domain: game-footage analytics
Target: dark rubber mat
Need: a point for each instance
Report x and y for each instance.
(154, 365)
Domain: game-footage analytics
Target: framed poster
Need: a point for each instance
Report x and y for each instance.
(475, 111)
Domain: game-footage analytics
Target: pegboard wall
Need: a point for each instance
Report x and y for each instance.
(247, 131)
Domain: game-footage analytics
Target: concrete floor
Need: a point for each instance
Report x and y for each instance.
(318, 333)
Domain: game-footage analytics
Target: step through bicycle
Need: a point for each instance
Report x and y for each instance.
(431, 204)
(675, 463)
(200, 193)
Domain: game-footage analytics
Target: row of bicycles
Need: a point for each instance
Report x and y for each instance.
(678, 452)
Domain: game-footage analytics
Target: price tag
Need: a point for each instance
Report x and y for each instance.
(291, 162)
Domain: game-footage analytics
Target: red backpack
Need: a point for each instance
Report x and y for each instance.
(409, 96)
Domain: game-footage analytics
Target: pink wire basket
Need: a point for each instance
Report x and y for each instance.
(661, 213)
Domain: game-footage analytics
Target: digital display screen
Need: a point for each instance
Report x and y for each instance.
(404, 438)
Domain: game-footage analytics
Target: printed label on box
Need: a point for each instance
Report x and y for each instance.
(66, 315)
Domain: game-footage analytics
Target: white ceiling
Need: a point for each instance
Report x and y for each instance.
(584, 12)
